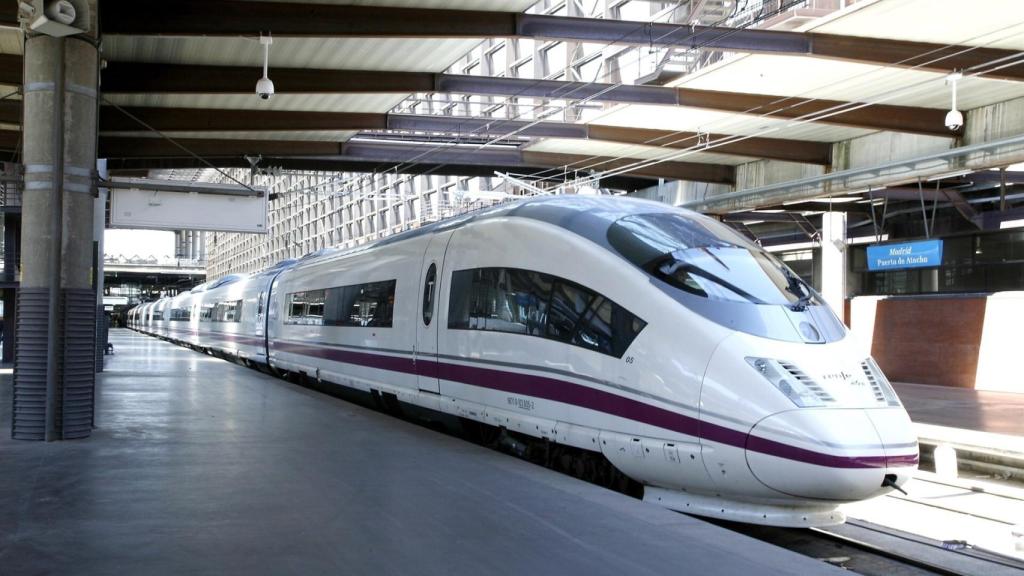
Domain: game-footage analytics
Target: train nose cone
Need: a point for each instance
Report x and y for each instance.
(828, 454)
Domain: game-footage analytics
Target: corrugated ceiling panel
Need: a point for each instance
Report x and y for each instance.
(11, 41)
(700, 120)
(319, 136)
(408, 54)
(615, 150)
(848, 81)
(992, 23)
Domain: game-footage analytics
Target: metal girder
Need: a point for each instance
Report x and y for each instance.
(385, 156)
(10, 140)
(11, 69)
(909, 193)
(693, 171)
(135, 78)
(154, 147)
(10, 112)
(759, 147)
(235, 18)
(220, 120)
(757, 217)
(962, 206)
(9, 15)
(928, 121)
(215, 120)
(139, 77)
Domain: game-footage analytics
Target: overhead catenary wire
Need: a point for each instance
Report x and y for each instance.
(397, 167)
(588, 163)
(581, 164)
(554, 173)
(978, 70)
(178, 145)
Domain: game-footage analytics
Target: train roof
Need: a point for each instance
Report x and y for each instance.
(587, 216)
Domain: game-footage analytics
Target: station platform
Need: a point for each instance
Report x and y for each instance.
(977, 410)
(200, 466)
(985, 430)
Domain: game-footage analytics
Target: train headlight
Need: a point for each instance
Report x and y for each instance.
(794, 389)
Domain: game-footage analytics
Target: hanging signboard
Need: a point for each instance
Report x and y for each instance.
(923, 254)
(168, 205)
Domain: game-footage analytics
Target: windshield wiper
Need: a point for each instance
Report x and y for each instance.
(798, 288)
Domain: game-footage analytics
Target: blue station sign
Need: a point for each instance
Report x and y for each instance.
(906, 255)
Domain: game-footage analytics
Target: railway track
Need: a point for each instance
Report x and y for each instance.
(863, 548)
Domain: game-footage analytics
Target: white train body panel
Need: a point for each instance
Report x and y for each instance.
(722, 388)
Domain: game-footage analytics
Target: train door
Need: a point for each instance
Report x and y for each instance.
(427, 321)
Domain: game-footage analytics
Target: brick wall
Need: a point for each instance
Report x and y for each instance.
(959, 341)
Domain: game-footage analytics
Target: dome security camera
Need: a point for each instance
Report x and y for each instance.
(954, 119)
(265, 88)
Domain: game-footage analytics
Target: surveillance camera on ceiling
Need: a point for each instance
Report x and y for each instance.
(954, 120)
(264, 86)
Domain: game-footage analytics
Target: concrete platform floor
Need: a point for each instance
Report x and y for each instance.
(993, 412)
(199, 466)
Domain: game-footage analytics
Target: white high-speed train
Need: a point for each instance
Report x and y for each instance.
(694, 361)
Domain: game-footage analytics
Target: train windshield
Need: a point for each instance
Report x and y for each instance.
(707, 258)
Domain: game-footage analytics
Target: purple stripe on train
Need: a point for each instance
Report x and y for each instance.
(593, 399)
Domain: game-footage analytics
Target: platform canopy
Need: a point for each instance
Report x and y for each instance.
(371, 85)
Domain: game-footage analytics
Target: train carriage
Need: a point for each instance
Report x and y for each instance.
(694, 361)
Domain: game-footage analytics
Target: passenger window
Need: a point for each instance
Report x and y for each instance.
(428, 294)
(536, 304)
(596, 331)
(532, 291)
(567, 306)
(370, 304)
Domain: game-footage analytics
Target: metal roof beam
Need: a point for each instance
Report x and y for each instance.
(384, 156)
(786, 217)
(910, 193)
(234, 18)
(10, 112)
(11, 68)
(220, 120)
(134, 78)
(217, 120)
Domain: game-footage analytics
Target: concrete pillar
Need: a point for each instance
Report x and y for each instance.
(833, 260)
(55, 352)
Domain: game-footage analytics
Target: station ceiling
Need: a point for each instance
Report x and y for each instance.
(188, 68)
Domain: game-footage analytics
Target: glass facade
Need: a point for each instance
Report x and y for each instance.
(983, 262)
